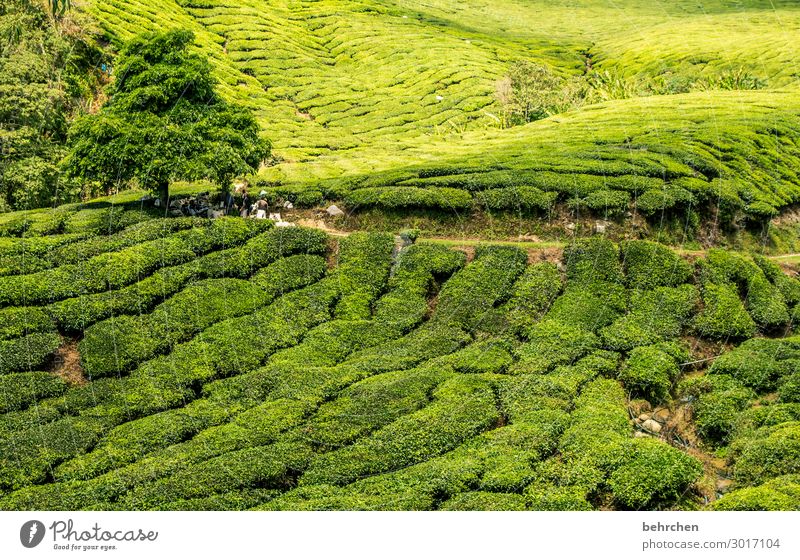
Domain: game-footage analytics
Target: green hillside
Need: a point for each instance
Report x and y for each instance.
(453, 340)
(346, 90)
(227, 364)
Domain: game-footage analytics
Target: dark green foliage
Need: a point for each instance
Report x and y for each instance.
(657, 201)
(789, 287)
(553, 343)
(532, 296)
(48, 71)
(654, 472)
(74, 314)
(164, 122)
(603, 202)
(117, 269)
(764, 302)
(723, 316)
(772, 451)
(20, 390)
(475, 290)
(592, 259)
(410, 197)
(717, 402)
(777, 494)
(648, 265)
(556, 498)
(461, 408)
(651, 370)
(655, 316)
(19, 321)
(415, 275)
(117, 344)
(487, 356)
(520, 199)
(364, 263)
(27, 353)
(484, 501)
(759, 363)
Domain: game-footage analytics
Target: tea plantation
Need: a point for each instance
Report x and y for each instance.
(390, 104)
(229, 364)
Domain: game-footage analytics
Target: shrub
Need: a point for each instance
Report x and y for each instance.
(718, 401)
(410, 197)
(592, 259)
(772, 451)
(788, 287)
(114, 270)
(522, 199)
(590, 306)
(655, 316)
(605, 202)
(553, 343)
(75, 314)
(556, 498)
(27, 353)
(651, 370)
(724, 316)
(655, 472)
(19, 321)
(21, 390)
(758, 363)
(475, 290)
(418, 270)
(484, 501)
(778, 494)
(661, 200)
(532, 295)
(648, 265)
(462, 407)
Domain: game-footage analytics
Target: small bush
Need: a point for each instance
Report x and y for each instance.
(772, 451)
(410, 197)
(649, 265)
(592, 259)
(522, 199)
(778, 494)
(724, 316)
(27, 353)
(655, 472)
(651, 370)
(19, 321)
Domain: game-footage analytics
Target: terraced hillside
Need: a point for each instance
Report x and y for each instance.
(388, 95)
(151, 363)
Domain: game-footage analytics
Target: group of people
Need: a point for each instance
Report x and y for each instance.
(259, 208)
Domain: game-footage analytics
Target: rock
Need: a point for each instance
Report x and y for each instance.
(661, 415)
(334, 210)
(599, 227)
(640, 406)
(651, 426)
(643, 417)
(571, 227)
(639, 434)
(284, 224)
(288, 205)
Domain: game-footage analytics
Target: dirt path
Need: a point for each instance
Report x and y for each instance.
(537, 250)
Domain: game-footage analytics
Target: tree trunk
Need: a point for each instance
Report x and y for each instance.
(163, 193)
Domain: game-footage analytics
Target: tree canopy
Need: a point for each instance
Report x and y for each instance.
(47, 73)
(164, 121)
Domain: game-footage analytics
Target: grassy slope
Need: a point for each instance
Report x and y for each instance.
(350, 87)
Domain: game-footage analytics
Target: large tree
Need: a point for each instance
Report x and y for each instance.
(163, 122)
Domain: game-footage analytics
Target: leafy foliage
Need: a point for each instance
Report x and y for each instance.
(164, 121)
